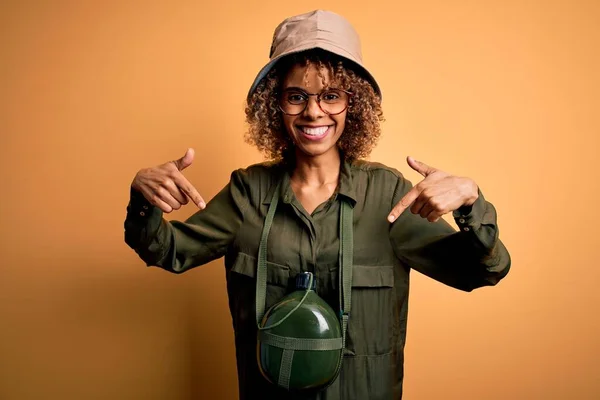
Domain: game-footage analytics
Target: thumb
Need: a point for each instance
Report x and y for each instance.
(420, 167)
(186, 160)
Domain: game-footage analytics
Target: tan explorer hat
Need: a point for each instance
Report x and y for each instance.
(316, 29)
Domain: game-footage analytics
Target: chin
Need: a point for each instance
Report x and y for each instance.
(316, 150)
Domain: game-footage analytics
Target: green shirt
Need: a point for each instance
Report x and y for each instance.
(230, 226)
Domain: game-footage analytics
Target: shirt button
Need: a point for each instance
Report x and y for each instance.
(142, 213)
(462, 220)
(466, 229)
(145, 207)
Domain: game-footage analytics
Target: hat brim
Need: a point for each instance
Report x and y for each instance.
(323, 46)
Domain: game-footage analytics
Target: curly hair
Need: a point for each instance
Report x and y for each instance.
(265, 119)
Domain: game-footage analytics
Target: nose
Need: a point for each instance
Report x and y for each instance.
(313, 110)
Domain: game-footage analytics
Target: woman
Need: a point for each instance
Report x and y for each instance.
(314, 110)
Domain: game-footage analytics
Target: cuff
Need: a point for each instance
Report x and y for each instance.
(139, 207)
(142, 222)
(141, 213)
(469, 218)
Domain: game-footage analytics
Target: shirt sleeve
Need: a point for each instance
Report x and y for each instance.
(178, 246)
(468, 258)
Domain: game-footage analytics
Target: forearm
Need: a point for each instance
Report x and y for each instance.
(470, 258)
(179, 246)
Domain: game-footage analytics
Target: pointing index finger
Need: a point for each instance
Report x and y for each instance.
(187, 188)
(404, 203)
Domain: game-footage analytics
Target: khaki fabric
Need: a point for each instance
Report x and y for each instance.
(318, 29)
(466, 258)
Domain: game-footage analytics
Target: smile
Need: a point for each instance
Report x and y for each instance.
(314, 132)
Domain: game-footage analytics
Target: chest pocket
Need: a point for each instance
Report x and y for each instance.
(371, 323)
(241, 285)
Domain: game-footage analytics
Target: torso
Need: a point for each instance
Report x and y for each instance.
(299, 244)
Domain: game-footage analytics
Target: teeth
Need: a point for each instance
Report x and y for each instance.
(314, 131)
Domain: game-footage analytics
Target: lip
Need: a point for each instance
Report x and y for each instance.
(311, 137)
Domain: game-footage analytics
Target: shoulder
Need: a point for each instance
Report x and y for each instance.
(257, 178)
(375, 169)
(265, 169)
(376, 177)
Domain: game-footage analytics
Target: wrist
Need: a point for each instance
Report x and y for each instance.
(472, 193)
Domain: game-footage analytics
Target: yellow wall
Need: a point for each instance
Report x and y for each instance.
(505, 92)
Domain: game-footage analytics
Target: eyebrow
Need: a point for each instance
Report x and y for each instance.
(305, 91)
(294, 88)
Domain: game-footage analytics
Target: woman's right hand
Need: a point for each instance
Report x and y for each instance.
(165, 186)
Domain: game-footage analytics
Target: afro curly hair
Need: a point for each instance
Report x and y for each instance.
(265, 119)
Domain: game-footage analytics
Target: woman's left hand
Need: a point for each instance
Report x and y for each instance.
(438, 194)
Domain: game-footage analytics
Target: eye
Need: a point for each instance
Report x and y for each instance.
(295, 97)
(332, 96)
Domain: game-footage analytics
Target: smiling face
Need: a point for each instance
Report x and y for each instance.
(314, 132)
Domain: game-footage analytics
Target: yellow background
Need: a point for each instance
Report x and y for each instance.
(505, 92)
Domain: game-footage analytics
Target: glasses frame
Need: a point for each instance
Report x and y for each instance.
(318, 95)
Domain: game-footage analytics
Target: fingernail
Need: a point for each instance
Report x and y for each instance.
(391, 218)
(202, 205)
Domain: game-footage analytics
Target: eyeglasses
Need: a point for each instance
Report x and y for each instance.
(294, 101)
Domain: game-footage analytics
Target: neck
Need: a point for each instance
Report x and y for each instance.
(317, 171)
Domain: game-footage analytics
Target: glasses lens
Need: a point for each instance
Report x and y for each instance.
(293, 102)
(334, 101)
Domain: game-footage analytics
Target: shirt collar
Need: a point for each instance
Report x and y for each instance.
(345, 187)
(283, 179)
